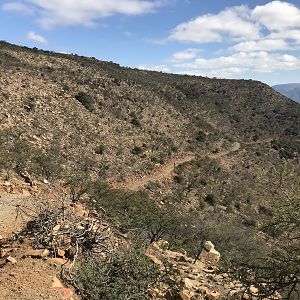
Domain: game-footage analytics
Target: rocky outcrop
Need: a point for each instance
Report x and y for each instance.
(200, 278)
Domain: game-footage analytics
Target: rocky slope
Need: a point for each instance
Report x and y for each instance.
(214, 158)
(136, 119)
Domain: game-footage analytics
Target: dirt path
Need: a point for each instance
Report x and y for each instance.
(167, 170)
(235, 147)
(10, 220)
(164, 171)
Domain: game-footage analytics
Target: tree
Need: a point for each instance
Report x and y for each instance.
(279, 270)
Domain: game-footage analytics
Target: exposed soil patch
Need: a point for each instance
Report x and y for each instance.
(32, 279)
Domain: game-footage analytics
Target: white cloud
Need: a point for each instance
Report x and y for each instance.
(262, 45)
(85, 12)
(260, 61)
(36, 37)
(277, 15)
(158, 68)
(293, 34)
(187, 54)
(232, 22)
(18, 7)
(220, 73)
(280, 19)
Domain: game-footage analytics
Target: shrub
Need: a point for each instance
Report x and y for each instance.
(178, 179)
(201, 136)
(127, 275)
(211, 199)
(86, 100)
(134, 212)
(100, 149)
(135, 120)
(137, 150)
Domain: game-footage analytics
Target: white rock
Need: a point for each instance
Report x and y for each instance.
(208, 245)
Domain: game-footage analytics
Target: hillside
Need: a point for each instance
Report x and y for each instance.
(178, 157)
(290, 90)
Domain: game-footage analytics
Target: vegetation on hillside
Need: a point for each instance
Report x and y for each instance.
(89, 123)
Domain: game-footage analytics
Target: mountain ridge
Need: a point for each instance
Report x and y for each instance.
(290, 90)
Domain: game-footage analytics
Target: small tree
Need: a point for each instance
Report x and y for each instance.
(86, 100)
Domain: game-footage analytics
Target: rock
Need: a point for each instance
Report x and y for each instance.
(58, 260)
(186, 295)
(235, 294)
(79, 227)
(209, 253)
(245, 296)
(213, 295)
(209, 270)
(213, 256)
(11, 259)
(56, 229)
(25, 192)
(45, 181)
(56, 283)
(176, 256)
(39, 253)
(253, 290)
(155, 259)
(27, 178)
(191, 284)
(164, 245)
(60, 252)
(66, 293)
(208, 246)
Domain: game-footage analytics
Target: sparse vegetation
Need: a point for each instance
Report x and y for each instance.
(127, 275)
(86, 100)
(219, 196)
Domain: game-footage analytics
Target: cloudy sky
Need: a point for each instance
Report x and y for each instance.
(215, 38)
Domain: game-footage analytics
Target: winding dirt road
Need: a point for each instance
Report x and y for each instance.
(167, 170)
(160, 173)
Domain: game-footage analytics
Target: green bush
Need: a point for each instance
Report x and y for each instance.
(127, 275)
(86, 100)
(211, 199)
(201, 136)
(100, 149)
(137, 150)
(134, 212)
(178, 179)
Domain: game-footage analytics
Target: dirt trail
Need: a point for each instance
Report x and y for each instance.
(167, 170)
(9, 222)
(164, 171)
(235, 147)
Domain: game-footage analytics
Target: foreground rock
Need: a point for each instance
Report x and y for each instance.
(200, 279)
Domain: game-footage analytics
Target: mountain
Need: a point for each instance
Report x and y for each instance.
(156, 155)
(125, 123)
(290, 90)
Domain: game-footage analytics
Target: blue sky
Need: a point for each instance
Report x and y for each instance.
(228, 39)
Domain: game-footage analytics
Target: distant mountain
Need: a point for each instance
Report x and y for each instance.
(290, 90)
